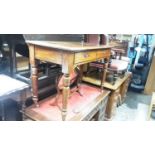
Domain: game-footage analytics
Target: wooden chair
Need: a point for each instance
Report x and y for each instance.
(117, 67)
(152, 106)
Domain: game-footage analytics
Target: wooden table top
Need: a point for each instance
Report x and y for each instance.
(69, 46)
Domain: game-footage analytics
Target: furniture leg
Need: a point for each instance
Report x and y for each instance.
(13, 62)
(3, 111)
(104, 71)
(111, 106)
(81, 73)
(66, 91)
(34, 76)
(23, 100)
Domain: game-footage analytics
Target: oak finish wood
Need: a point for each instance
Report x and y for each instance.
(150, 83)
(118, 92)
(85, 114)
(68, 54)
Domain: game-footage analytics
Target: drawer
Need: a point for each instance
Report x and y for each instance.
(84, 57)
(45, 54)
(103, 54)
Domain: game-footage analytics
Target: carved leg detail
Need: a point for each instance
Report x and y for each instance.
(35, 85)
(66, 91)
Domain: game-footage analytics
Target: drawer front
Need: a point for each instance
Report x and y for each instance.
(103, 54)
(85, 57)
(48, 55)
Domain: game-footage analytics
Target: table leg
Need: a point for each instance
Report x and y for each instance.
(111, 106)
(81, 73)
(34, 75)
(13, 62)
(66, 91)
(105, 66)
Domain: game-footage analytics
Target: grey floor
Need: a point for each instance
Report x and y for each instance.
(135, 108)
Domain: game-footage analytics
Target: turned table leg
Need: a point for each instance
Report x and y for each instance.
(66, 91)
(34, 76)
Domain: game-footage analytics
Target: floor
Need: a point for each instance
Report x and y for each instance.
(135, 108)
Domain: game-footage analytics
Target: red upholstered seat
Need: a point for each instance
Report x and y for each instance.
(116, 65)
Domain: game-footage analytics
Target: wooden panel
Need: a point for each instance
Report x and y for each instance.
(84, 57)
(150, 84)
(48, 55)
(104, 53)
(55, 37)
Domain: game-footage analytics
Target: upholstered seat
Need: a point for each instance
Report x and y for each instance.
(115, 65)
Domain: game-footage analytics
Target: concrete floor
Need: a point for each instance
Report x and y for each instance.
(135, 108)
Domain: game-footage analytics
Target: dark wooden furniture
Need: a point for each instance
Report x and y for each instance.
(118, 92)
(67, 54)
(9, 88)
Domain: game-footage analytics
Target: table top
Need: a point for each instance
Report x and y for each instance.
(69, 46)
(9, 85)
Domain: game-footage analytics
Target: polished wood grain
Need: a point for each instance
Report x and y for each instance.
(67, 54)
(83, 113)
(95, 81)
(69, 46)
(150, 83)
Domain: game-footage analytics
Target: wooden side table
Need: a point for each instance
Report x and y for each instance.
(12, 88)
(118, 92)
(66, 54)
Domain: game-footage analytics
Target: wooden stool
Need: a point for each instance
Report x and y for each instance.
(152, 106)
(11, 88)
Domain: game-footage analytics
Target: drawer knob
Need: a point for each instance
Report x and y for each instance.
(86, 55)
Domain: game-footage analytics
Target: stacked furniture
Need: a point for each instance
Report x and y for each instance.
(68, 55)
(117, 78)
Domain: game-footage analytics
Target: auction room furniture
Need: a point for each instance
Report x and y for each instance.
(118, 91)
(11, 88)
(68, 55)
(150, 83)
(152, 105)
